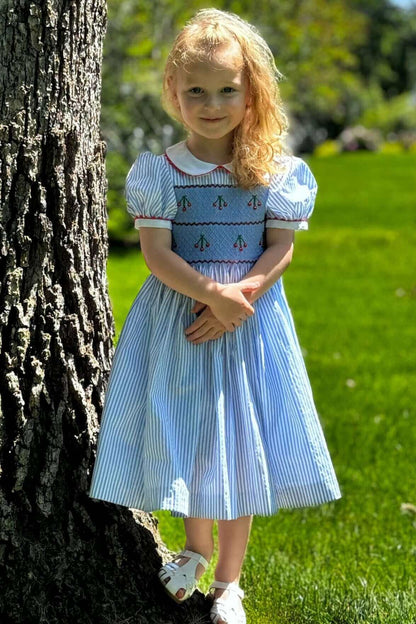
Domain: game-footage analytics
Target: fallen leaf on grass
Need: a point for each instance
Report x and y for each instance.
(408, 508)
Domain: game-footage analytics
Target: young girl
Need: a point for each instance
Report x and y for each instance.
(209, 412)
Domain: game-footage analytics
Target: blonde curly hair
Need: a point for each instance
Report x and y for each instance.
(259, 138)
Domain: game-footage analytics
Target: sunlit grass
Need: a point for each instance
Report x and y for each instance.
(352, 291)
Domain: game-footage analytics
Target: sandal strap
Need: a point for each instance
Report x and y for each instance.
(181, 576)
(193, 555)
(230, 586)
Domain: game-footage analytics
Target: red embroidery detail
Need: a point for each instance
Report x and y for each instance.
(220, 202)
(196, 175)
(184, 202)
(240, 242)
(219, 223)
(201, 243)
(255, 202)
(184, 186)
(222, 261)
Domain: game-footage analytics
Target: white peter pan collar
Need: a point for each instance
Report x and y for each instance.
(182, 158)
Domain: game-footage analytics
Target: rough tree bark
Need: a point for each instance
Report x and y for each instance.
(63, 556)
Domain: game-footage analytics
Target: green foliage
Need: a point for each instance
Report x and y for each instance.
(351, 289)
(387, 55)
(392, 147)
(327, 148)
(314, 43)
(394, 115)
(119, 221)
(126, 271)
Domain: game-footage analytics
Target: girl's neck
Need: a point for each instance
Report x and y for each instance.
(217, 151)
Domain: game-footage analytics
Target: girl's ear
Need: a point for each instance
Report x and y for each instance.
(172, 89)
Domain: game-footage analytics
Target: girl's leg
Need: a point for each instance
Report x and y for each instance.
(233, 538)
(199, 538)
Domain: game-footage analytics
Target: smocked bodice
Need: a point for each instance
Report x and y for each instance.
(219, 223)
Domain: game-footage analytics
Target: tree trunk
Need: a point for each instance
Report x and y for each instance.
(63, 556)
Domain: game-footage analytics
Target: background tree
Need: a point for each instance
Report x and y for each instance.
(63, 556)
(387, 54)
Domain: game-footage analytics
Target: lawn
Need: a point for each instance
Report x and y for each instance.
(352, 291)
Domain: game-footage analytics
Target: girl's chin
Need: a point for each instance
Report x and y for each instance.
(212, 131)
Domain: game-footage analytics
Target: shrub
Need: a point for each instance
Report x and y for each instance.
(407, 138)
(327, 148)
(392, 147)
(360, 138)
(394, 115)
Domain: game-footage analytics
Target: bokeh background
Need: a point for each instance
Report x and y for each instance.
(349, 67)
(350, 92)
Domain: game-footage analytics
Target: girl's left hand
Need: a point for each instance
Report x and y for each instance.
(205, 327)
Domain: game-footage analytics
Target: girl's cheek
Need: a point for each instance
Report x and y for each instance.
(191, 103)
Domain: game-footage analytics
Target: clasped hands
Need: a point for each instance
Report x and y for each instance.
(228, 309)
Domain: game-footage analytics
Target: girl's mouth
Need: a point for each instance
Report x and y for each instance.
(212, 119)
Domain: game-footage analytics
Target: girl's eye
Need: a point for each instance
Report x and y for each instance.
(229, 90)
(195, 90)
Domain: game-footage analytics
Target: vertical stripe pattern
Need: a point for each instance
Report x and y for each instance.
(221, 429)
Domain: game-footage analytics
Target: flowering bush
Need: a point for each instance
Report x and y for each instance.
(407, 138)
(360, 138)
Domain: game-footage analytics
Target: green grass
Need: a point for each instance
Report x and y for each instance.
(352, 291)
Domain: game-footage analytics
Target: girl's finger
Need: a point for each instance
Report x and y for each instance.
(206, 329)
(196, 337)
(249, 310)
(197, 324)
(196, 334)
(198, 306)
(202, 338)
(209, 336)
(250, 286)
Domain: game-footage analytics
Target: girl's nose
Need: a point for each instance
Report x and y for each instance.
(211, 102)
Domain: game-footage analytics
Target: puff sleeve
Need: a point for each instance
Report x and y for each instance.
(149, 192)
(291, 196)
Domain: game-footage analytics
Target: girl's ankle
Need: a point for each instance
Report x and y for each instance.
(205, 552)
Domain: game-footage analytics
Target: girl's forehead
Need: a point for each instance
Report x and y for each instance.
(225, 56)
(209, 71)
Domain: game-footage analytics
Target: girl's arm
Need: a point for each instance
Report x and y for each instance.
(267, 270)
(273, 262)
(227, 302)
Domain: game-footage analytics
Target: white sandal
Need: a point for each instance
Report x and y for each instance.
(181, 577)
(228, 609)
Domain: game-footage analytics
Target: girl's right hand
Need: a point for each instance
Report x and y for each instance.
(230, 306)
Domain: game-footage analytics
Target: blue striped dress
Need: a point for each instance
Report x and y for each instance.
(229, 427)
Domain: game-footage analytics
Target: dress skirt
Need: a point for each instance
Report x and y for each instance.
(221, 429)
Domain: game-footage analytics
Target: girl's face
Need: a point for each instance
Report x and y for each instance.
(212, 97)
